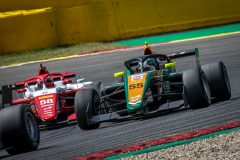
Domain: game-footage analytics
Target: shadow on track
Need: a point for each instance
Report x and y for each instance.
(141, 118)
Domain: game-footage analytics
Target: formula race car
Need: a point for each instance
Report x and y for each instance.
(43, 100)
(151, 85)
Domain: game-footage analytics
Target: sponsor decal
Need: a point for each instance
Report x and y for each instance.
(135, 99)
(45, 97)
(137, 81)
(137, 77)
(46, 105)
(135, 87)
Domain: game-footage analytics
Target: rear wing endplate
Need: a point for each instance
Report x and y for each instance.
(7, 96)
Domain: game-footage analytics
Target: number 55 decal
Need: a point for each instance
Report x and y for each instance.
(136, 85)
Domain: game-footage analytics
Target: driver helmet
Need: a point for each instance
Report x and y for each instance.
(39, 84)
(49, 82)
(147, 50)
(139, 67)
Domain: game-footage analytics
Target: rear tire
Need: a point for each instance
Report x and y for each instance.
(218, 80)
(196, 89)
(18, 129)
(85, 104)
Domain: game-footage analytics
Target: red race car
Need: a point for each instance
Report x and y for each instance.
(46, 99)
(50, 95)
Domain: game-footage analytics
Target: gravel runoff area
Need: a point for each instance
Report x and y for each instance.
(225, 146)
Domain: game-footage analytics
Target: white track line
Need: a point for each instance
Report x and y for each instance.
(119, 49)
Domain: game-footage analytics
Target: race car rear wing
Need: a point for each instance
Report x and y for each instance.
(182, 54)
(18, 85)
(187, 53)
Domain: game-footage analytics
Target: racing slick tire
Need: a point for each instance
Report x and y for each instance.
(218, 80)
(18, 129)
(85, 104)
(196, 89)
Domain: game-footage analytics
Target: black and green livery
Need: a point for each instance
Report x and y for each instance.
(150, 85)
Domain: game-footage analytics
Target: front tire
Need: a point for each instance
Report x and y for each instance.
(196, 89)
(18, 129)
(218, 80)
(85, 104)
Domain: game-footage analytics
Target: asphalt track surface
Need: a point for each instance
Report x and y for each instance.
(70, 142)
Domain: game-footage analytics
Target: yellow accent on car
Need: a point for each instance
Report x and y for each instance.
(119, 74)
(170, 65)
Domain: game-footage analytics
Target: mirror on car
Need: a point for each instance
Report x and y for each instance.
(170, 65)
(119, 74)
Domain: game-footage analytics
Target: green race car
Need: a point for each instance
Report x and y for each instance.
(150, 85)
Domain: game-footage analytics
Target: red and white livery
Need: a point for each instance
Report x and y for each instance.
(50, 95)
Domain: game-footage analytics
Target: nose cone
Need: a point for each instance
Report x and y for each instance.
(135, 90)
(47, 106)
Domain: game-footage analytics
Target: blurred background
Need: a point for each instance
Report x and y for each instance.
(26, 25)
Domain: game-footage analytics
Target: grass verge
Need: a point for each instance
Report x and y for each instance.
(55, 52)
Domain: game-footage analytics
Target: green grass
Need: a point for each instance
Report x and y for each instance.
(55, 52)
